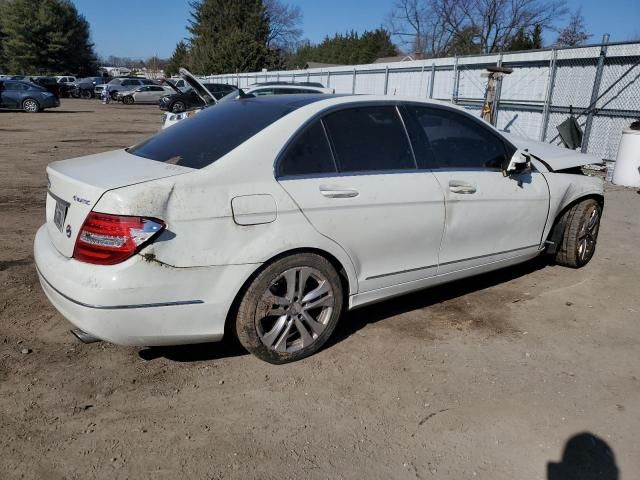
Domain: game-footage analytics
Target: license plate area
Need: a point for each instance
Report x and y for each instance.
(60, 212)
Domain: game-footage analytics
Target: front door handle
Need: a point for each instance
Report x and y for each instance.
(457, 186)
(331, 191)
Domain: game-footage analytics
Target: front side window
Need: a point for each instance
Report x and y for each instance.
(452, 140)
(309, 154)
(128, 83)
(369, 139)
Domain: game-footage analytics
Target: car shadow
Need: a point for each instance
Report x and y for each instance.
(359, 318)
(201, 352)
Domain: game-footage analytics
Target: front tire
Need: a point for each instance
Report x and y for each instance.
(581, 227)
(30, 105)
(290, 309)
(86, 94)
(128, 100)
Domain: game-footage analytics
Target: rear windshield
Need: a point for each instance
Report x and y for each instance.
(201, 140)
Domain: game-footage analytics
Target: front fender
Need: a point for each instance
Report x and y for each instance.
(565, 189)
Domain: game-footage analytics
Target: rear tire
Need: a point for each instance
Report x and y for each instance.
(86, 94)
(290, 309)
(581, 227)
(30, 105)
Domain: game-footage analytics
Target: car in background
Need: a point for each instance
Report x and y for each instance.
(121, 84)
(145, 94)
(66, 84)
(268, 217)
(50, 83)
(255, 90)
(26, 96)
(84, 87)
(189, 98)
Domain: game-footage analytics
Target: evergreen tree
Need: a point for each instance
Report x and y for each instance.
(526, 40)
(45, 36)
(348, 49)
(180, 58)
(228, 36)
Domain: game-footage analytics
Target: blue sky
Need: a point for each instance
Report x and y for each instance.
(142, 28)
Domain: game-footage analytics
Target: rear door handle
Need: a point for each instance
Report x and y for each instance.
(457, 186)
(331, 191)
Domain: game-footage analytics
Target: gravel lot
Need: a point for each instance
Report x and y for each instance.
(486, 378)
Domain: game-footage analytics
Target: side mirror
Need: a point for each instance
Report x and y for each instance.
(520, 163)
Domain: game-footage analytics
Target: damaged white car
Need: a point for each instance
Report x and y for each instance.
(318, 204)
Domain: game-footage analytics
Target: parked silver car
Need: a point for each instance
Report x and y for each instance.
(123, 84)
(144, 94)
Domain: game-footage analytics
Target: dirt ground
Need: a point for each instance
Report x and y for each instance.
(488, 378)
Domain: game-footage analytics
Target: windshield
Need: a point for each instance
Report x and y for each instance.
(206, 137)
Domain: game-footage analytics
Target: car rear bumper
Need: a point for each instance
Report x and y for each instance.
(139, 302)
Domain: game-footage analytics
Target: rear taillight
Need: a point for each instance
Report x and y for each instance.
(109, 239)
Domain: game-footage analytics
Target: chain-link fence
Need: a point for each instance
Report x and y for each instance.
(598, 84)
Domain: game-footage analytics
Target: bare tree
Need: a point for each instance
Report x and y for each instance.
(284, 24)
(484, 26)
(418, 27)
(575, 33)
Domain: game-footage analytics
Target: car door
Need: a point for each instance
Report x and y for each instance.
(489, 216)
(353, 175)
(155, 93)
(12, 94)
(143, 94)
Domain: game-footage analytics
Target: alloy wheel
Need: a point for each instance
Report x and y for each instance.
(294, 310)
(30, 106)
(588, 234)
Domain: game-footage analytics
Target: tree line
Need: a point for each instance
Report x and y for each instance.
(50, 36)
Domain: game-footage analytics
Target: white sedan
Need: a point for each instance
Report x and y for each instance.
(316, 205)
(257, 90)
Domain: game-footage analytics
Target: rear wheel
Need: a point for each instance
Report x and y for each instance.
(581, 227)
(290, 309)
(30, 105)
(178, 106)
(86, 94)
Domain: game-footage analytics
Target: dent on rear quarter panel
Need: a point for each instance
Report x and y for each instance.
(201, 230)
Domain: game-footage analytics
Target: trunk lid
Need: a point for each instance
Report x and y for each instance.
(76, 185)
(205, 95)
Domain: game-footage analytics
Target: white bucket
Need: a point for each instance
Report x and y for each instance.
(626, 172)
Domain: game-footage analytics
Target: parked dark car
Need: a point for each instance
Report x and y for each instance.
(50, 83)
(27, 96)
(85, 87)
(189, 99)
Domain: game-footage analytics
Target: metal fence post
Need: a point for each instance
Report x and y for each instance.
(546, 111)
(594, 93)
(329, 79)
(433, 79)
(353, 82)
(386, 79)
(496, 98)
(454, 91)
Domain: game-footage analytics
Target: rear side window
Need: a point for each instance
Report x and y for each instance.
(452, 140)
(309, 154)
(369, 139)
(214, 132)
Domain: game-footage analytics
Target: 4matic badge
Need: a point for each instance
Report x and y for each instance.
(81, 200)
